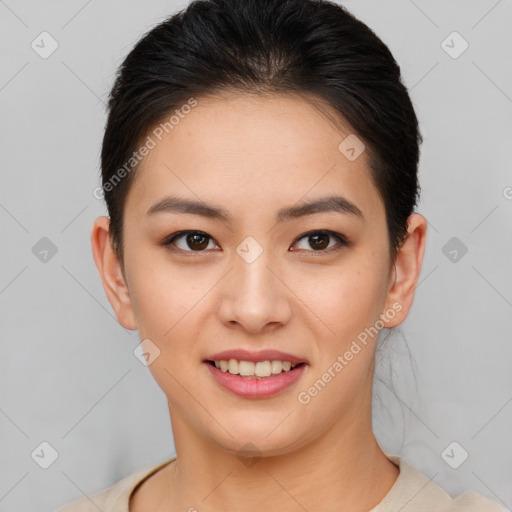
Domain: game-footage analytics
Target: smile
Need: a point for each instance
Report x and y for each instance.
(251, 369)
(251, 385)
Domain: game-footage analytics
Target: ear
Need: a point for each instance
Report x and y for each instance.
(111, 273)
(407, 268)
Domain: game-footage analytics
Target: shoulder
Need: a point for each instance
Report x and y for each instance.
(114, 498)
(415, 492)
(109, 499)
(470, 501)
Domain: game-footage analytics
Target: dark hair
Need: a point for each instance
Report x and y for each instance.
(312, 48)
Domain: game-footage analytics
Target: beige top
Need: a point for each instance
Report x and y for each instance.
(411, 492)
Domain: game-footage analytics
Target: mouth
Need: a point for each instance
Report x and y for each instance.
(256, 379)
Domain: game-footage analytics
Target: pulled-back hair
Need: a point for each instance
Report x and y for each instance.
(312, 48)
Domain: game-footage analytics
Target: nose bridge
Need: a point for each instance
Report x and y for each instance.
(253, 276)
(255, 286)
(255, 296)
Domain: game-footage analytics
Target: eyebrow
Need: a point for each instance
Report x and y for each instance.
(338, 204)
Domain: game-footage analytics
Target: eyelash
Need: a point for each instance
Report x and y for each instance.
(338, 236)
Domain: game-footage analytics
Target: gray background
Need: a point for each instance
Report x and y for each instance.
(69, 377)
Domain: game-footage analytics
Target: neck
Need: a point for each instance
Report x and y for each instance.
(345, 469)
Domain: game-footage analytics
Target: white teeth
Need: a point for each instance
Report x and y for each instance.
(233, 366)
(277, 367)
(250, 369)
(246, 368)
(263, 369)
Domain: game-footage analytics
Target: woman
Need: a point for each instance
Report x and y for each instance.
(259, 166)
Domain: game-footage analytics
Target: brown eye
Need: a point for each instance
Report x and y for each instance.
(194, 241)
(319, 241)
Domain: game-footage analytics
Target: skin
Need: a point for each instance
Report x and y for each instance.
(240, 153)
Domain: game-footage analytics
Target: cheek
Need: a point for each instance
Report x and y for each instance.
(349, 304)
(163, 294)
(155, 284)
(342, 300)
(163, 302)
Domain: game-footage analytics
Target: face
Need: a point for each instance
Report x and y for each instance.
(258, 277)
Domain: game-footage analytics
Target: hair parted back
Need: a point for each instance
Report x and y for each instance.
(313, 48)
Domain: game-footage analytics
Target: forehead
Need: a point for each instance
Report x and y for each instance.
(253, 151)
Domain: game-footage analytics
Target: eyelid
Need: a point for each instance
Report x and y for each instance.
(169, 240)
(342, 240)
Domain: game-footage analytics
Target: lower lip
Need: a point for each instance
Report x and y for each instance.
(256, 388)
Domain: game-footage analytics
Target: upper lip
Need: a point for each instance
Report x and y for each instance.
(260, 355)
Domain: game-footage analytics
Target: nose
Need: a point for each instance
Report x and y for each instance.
(254, 297)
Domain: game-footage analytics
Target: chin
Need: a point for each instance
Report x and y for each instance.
(261, 439)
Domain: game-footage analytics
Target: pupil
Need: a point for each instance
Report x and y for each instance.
(196, 239)
(323, 246)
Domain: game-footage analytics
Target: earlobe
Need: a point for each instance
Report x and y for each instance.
(407, 269)
(110, 269)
